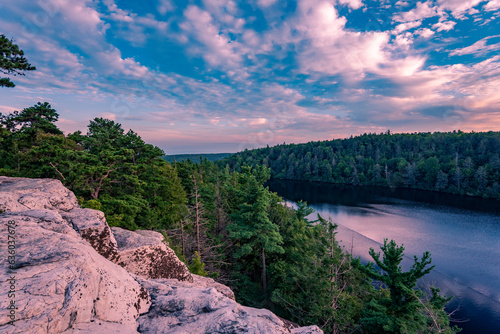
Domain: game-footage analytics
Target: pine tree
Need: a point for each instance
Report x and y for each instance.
(255, 234)
(401, 311)
(12, 61)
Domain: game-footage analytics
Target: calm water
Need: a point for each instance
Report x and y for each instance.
(461, 233)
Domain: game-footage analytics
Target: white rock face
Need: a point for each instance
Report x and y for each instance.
(182, 307)
(66, 283)
(20, 194)
(207, 282)
(60, 280)
(147, 256)
(92, 226)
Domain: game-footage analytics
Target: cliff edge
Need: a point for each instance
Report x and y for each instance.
(64, 270)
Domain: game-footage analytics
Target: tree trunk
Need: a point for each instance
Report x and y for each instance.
(197, 217)
(182, 238)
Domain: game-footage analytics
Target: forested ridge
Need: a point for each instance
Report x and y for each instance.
(454, 162)
(222, 223)
(226, 224)
(195, 157)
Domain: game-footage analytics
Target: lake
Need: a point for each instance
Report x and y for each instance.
(461, 233)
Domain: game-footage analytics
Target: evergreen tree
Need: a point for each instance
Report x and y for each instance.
(251, 228)
(401, 309)
(12, 61)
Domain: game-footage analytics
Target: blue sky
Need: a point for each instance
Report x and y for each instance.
(222, 75)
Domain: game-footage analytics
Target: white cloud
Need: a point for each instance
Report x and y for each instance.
(165, 6)
(266, 3)
(422, 11)
(479, 48)
(458, 7)
(425, 32)
(325, 46)
(444, 25)
(354, 4)
(217, 49)
(406, 26)
(492, 5)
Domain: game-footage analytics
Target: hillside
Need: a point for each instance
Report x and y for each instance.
(454, 162)
(196, 157)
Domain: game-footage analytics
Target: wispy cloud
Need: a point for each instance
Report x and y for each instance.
(479, 48)
(231, 74)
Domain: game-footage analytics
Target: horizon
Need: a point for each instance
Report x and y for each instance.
(343, 138)
(222, 75)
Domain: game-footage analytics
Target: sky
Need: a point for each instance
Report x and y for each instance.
(214, 76)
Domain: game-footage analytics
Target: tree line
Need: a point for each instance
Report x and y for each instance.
(454, 162)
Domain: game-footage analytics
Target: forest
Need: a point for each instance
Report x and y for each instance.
(453, 162)
(223, 222)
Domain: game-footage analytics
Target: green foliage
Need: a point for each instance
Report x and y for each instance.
(197, 267)
(196, 157)
(454, 162)
(402, 311)
(111, 170)
(92, 204)
(12, 61)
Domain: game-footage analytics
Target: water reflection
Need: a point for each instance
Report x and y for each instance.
(462, 234)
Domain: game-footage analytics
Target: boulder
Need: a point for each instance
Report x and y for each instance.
(207, 282)
(20, 194)
(92, 226)
(61, 281)
(182, 307)
(147, 256)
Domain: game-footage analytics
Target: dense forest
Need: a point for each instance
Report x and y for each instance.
(226, 224)
(454, 162)
(195, 157)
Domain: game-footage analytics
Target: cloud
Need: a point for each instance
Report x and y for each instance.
(459, 8)
(266, 3)
(165, 6)
(479, 48)
(216, 48)
(424, 32)
(406, 26)
(422, 11)
(261, 74)
(492, 5)
(444, 25)
(354, 4)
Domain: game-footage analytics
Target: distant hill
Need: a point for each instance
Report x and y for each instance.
(454, 162)
(196, 157)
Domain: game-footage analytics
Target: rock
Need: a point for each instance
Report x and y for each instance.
(147, 256)
(20, 194)
(307, 330)
(98, 326)
(92, 226)
(181, 307)
(210, 283)
(61, 281)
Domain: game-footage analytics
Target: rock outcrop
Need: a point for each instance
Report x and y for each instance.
(184, 307)
(67, 277)
(145, 254)
(59, 279)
